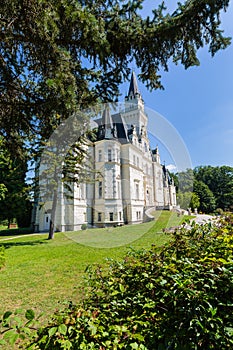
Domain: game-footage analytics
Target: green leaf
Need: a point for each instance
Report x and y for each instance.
(19, 311)
(62, 329)
(7, 314)
(2, 342)
(30, 314)
(11, 336)
(52, 331)
(122, 288)
(163, 282)
(93, 329)
(115, 292)
(67, 344)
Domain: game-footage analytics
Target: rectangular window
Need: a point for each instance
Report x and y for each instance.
(100, 156)
(99, 216)
(137, 191)
(111, 216)
(100, 189)
(134, 160)
(118, 156)
(82, 191)
(119, 189)
(109, 155)
(120, 216)
(138, 162)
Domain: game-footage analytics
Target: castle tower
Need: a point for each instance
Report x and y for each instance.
(134, 106)
(156, 155)
(134, 97)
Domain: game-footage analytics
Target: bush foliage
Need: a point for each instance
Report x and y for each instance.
(180, 297)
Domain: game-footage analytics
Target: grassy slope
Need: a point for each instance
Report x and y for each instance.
(40, 273)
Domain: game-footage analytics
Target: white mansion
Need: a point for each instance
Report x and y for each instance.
(129, 179)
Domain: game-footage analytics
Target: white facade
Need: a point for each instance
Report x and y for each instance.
(128, 180)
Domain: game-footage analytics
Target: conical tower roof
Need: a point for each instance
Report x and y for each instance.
(107, 118)
(107, 123)
(133, 87)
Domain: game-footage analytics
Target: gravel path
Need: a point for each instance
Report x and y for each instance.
(203, 218)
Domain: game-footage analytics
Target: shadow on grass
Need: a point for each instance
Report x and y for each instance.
(8, 245)
(15, 231)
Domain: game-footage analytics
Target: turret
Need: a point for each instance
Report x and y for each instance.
(156, 155)
(107, 128)
(134, 97)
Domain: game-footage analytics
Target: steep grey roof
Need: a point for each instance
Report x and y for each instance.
(122, 131)
(156, 150)
(118, 128)
(107, 118)
(133, 87)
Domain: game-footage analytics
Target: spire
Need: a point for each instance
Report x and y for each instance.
(107, 123)
(134, 95)
(107, 118)
(133, 87)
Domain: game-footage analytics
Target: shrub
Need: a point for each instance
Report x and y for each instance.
(178, 298)
(219, 211)
(17, 327)
(84, 227)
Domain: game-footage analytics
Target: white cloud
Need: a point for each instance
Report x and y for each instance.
(171, 167)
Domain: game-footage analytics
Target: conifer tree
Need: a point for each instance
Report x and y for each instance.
(57, 56)
(62, 55)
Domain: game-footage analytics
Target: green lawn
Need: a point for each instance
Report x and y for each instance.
(40, 273)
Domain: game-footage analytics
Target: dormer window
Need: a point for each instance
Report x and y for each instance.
(100, 156)
(109, 155)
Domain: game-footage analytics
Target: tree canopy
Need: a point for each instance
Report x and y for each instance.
(206, 196)
(57, 56)
(60, 56)
(220, 182)
(14, 201)
(206, 188)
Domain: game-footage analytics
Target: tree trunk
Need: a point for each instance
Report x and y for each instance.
(53, 215)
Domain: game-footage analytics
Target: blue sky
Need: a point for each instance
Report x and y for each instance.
(198, 102)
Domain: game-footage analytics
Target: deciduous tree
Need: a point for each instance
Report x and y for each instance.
(14, 204)
(60, 55)
(220, 181)
(206, 196)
